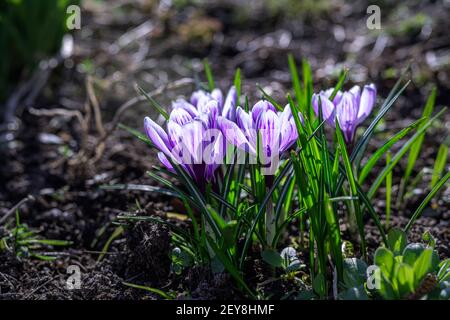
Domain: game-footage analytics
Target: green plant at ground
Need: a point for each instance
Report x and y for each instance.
(286, 260)
(236, 209)
(402, 271)
(30, 31)
(25, 243)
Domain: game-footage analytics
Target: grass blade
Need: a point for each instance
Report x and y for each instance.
(296, 82)
(439, 164)
(228, 264)
(340, 83)
(387, 146)
(237, 85)
(361, 146)
(417, 145)
(376, 184)
(270, 99)
(425, 201)
(117, 233)
(137, 134)
(388, 191)
(261, 211)
(154, 103)
(209, 75)
(334, 234)
(307, 88)
(140, 187)
(353, 189)
(149, 289)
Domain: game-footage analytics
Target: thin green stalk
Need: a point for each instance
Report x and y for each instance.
(353, 188)
(416, 147)
(439, 164)
(425, 201)
(388, 191)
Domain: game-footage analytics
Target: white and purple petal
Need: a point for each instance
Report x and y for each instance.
(193, 133)
(367, 102)
(328, 108)
(180, 116)
(346, 113)
(234, 135)
(157, 135)
(261, 107)
(195, 97)
(269, 129)
(163, 159)
(217, 95)
(229, 106)
(183, 104)
(245, 123)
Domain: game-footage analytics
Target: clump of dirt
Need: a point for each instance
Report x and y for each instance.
(148, 245)
(103, 283)
(438, 228)
(205, 285)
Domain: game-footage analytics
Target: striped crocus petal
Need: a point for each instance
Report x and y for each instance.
(328, 108)
(183, 104)
(269, 128)
(367, 102)
(211, 110)
(288, 132)
(217, 95)
(216, 154)
(259, 108)
(234, 135)
(229, 106)
(180, 116)
(346, 113)
(356, 91)
(195, 97)
(337, 98)
(193, 133)
(245, 123)
(163, 159)
(203, 101)
(175, 133)
(157, 135)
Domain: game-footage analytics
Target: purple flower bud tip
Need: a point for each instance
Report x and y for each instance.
(198, 129)
(350, 108)
(277, 130)
(193, 139)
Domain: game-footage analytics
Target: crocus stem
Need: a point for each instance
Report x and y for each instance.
(350, 146)
(302, 230)
(210, 233)
(270, 214)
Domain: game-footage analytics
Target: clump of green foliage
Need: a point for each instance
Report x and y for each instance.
(30, 30)
(244, 211)
(25, 243)
(402, 271)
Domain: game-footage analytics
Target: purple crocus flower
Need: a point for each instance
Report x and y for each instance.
(277, 130)
(200, 99)
(192, 138)
(351, 108)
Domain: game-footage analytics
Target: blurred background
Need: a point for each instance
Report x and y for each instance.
(64, 90)
(61, 89)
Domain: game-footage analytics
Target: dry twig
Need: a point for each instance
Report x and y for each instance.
(16, 207)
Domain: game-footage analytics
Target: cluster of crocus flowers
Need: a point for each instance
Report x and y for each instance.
(199, 131)
(350, 108)
(277, 131)
(192, 139)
